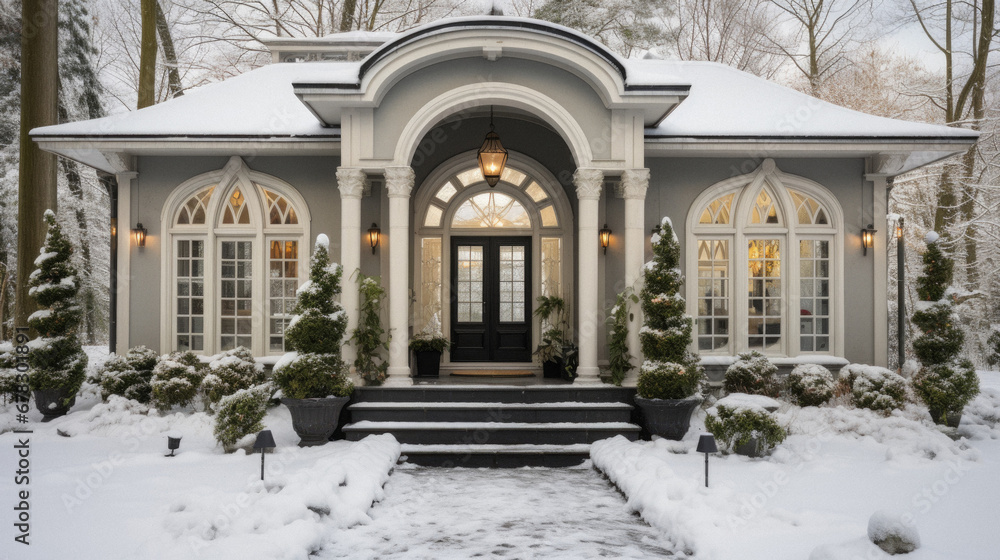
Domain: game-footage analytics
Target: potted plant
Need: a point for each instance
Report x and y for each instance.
(671, 376)
(57, 360)
(427, 346)
(744, 428)
(313, 378)
(557, 354)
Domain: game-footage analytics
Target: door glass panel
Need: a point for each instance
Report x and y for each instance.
(512, 278)
(713, 294)
(814, 296)
(764, 293)
(470, 284)
(430, 277)
(237, 294)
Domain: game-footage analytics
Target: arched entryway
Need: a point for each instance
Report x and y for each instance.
(483, 254)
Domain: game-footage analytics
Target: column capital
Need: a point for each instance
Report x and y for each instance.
(351, 182)
(588, 182)
(399, 181)
(634, 183)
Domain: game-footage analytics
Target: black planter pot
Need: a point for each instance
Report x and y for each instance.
(428, 363)
(553, 369)
(315, 420)
(950, 418)
(52, 403)
(667, 418)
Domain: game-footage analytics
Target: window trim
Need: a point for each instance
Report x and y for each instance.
(740, 231)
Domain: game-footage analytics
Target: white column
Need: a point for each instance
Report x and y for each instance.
(351, 182)
(635, 182)
(881, 280)
(125, 225)
(398, 183)
(588, 193)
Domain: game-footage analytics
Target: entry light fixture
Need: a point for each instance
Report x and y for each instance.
(139, 233)
(605, 234)
(173, 444)
(706, 445)
(373, 236)
(899, 228)
(868, 238)
(264, 441)
(492, 156)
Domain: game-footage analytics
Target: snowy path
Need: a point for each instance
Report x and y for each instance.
(500, 513)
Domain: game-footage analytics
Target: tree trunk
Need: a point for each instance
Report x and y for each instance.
(147, 55)
(169, 54)
(347, 15)
(39, 105)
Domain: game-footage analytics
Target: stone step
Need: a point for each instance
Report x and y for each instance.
(491, 412)
(496, 456)
(503, 433)
(495, 394)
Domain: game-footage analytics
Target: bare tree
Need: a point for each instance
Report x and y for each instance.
(147, 55)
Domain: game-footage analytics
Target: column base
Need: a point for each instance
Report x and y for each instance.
(588, 376)
(398, 377)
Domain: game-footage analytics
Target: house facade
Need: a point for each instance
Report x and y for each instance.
(372, 140)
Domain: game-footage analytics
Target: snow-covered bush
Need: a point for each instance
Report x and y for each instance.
(752, 373)
(875, 388)
(176, 379)
(993, 347)
(671, 371)
(240, 415)
(315, 369)
(810, 385)
(735, 425)
(946, 387)
(56, 358)
(9, 385)
(127, 376)
(232, 371)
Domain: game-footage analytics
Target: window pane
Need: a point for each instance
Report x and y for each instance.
(713, 295)
(491, 210)
(236, 290)
(283, 281)
(764, 287)
(189, 277)
(470, 284)
(814, 296)
(511, 284)
(430, 279)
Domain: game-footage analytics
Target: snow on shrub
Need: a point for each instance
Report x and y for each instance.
(304, 376)
(176, 379)
(993, 346)
(658, 380)
(232, 371)
(127, 376)
(9, 385)
(735, 422)
(239, 416)
(874, 387)
(752, 373)
(946, 387)
(810, 385)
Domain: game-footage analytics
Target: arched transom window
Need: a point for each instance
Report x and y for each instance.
(237, 253)
(768, 272)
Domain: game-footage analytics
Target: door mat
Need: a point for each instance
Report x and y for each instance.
(493, 373)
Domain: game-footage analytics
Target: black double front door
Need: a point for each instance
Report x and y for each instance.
(491, 299)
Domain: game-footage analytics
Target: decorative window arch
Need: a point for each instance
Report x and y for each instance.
(235, 254)
(767, 266)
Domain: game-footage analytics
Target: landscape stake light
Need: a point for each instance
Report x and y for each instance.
(868, 238)
(264, 441)
(605, 234)
(373, 236)
(173, 444)
(706, 445)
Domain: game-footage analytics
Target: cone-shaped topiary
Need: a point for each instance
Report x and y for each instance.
(57, 360)
(938, 270)
(666, 332)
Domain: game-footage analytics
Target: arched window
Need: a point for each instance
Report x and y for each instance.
(768, 271)
(236, 259)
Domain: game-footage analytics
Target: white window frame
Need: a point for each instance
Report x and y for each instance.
(746, 189)
(213, 232)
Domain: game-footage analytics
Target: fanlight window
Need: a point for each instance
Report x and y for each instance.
(236, 209)
(280, 211)
(718, 211)
(193, 211)
(491, 210)
(764, 210)
(809, 211)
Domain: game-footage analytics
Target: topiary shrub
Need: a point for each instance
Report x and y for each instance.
(875, 388)
(947, 387)
(736, 426)
(232, 371)
(127, 376)
(176, 379)
(666, 333)
(752, 373)
(305, 376)
(941, 339)
(810, 385)
(993, 347)
(938, 269)
(240, 415)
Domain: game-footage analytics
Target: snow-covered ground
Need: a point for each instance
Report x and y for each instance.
(813, 496)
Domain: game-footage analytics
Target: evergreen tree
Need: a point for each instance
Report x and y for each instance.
(938, 272)
(57, 361)
(669, 367)
(10, 123)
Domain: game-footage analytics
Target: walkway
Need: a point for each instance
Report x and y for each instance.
(431, 513)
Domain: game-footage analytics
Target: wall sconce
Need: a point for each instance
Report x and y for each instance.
(373, 236)
(868, 238)
(899, 228)
(605, 234)
(139, 233)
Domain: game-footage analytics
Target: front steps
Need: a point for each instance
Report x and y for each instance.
(493, 426)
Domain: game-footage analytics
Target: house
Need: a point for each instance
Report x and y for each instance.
(372, 138)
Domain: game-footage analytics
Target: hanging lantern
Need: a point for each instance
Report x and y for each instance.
(139, 233)
(492, 156)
